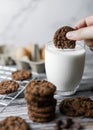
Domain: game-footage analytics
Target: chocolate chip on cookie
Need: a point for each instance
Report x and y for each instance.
(13, 123)
(60, 40)
(21, 75)
(8, 86)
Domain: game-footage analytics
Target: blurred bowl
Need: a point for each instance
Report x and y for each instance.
(36, 66)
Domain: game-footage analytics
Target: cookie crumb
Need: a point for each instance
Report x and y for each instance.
(68, 124)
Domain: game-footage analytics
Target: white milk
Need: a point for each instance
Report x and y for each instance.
(64, 68)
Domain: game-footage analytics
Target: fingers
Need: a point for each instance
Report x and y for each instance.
(84, 32)
(81, 34)
(80, 24)
(88, 21)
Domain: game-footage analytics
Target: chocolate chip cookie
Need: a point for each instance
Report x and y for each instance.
(42, 103)
(21, 75)
(39, 119)
(60, 40)
(46, 109)
(79, 106)
(13, 123)
(41, 115)
(66, 107)
(8, 86)
(41, 88)
(30, 97)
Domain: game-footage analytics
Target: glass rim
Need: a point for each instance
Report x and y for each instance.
(80, 47)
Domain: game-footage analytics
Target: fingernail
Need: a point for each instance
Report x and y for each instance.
(70, 34)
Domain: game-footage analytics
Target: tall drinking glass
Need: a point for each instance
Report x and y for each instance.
(64, 67)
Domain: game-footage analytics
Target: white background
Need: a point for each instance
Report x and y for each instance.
(29, 21)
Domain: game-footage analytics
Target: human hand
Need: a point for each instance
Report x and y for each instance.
(84, 31)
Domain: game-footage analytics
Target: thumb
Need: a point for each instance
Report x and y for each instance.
(81, 34)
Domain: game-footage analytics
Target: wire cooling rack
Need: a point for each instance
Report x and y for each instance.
(5, 74)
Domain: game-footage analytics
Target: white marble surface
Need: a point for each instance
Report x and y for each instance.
(14, 105)
(26, 21)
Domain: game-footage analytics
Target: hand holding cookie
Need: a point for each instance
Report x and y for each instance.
(84, 31)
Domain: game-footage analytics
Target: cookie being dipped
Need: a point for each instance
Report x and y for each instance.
(60, 40)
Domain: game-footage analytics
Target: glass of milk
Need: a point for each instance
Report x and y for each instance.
(64, 67)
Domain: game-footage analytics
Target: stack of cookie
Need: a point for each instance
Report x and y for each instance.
(41, 104)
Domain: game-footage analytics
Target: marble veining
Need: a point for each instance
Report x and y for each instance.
(18, 18)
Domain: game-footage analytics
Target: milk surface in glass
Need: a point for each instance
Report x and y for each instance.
(64, 67)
